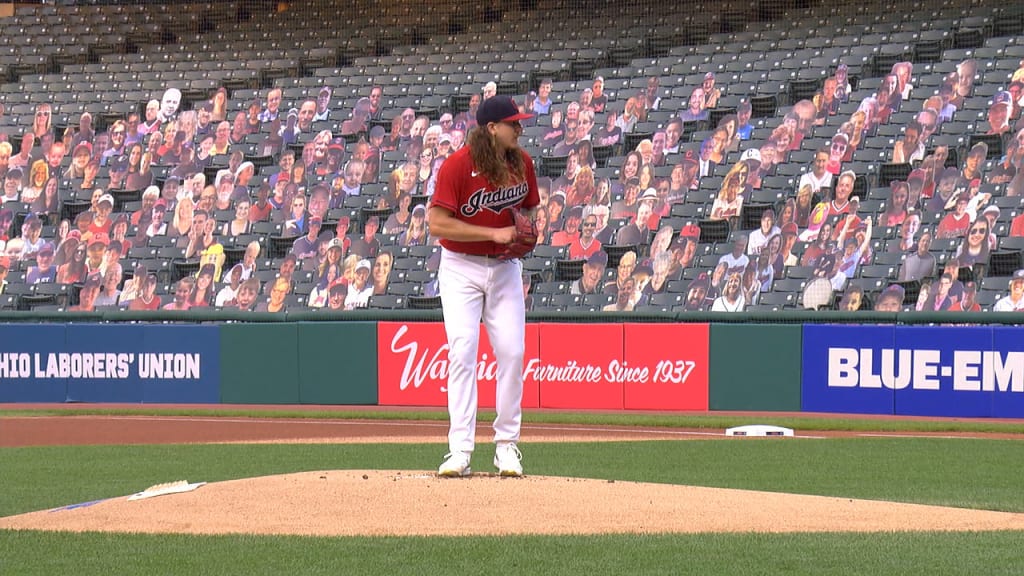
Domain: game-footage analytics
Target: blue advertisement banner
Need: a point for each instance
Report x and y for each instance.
(926, 371)
(110, 363)
(841, 370)
(18, 347)
(181, 364)
(1007, 376)
(98, 360)
(939, 371)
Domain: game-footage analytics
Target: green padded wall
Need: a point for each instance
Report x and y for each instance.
(337, 362)
(259, 364)
(755, 367)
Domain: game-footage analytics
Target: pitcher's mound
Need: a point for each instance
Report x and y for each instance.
(403, 503)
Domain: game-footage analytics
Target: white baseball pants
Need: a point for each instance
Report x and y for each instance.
(475, 288)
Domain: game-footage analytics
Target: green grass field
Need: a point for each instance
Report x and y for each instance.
(954, 472)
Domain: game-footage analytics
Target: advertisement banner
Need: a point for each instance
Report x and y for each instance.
(578, 365)
(110, 363)
(1006, 378)
(19, 345)
(100, 362)
(938, 371)
(180, 364)
(665, 367)
(951, 371)
(413, 365)
(842, 369)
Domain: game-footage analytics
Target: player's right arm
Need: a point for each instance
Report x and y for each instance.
(444, 224)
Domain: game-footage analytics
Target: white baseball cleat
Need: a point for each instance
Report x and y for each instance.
(456, 464)
(507, 459)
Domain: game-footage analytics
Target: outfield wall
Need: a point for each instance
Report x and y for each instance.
(891, 368)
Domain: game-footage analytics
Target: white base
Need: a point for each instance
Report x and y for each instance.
(759, 430)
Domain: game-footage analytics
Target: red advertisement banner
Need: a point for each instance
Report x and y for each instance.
(572, 366)
(667, 366)
(413, 365)
(568, 366)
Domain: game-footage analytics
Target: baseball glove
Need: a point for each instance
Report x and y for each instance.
(526, 236)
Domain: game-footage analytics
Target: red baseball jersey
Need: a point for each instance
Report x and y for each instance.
(473, 199)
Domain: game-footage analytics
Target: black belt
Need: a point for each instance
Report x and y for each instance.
(488, 256)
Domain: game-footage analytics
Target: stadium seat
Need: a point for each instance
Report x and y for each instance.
(1005, 262)
(423, 302)
(568, 270)
(551, 287)
(566, 301)
(778, 299)
(615, 252)
(387, 301)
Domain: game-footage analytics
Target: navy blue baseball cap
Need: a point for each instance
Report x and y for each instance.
(499, 109)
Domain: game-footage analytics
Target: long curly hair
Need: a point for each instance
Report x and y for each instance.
(499, 169)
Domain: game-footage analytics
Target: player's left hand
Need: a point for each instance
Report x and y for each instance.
(524, 236)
